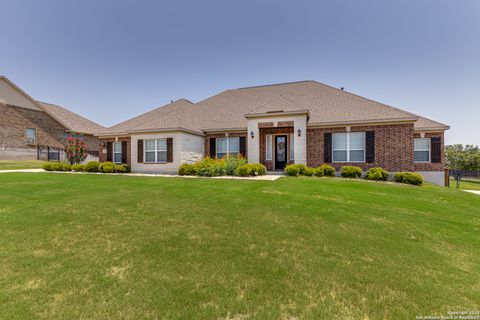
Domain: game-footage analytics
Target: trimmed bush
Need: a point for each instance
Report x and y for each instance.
(301, 168)
(92, 166)
(244, 170)
(251, 169)
(378, 174)
(78, 167)
(324, 170)
(106, 167)
(66, 167)
(232, 163)
(351, 172)
(292, 170)
(409, 178)
(120, 168)
(209, 167)
(57, 166)
(187, 169)
(47, 166)
(259, 169)
(309, 172)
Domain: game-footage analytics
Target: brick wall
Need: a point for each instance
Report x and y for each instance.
(263, 145)
(393, 147)
(208, 136)
(428, 166)
(103, 150)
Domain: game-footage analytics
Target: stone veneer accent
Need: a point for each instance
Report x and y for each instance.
(103, 150)
(428, 166)
(393, 147)
(222, 135)
(263, 145)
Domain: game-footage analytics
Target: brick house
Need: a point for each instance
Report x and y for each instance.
(31, 129)
(301, 122)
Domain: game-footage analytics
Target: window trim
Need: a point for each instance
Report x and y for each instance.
(228, 146)
(113, 152)
(34, 136)
(348, 148)
(292, 146)
(269, 138)
(156, 150)
(429, 150)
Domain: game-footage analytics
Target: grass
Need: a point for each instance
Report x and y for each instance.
(19, 164)
(117, 247)
(466, 183)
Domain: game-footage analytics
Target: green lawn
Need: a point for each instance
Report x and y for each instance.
(466, 183)
(19, 164)
(118, 247)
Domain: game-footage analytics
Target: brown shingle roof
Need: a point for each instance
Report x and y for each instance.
(326, 105)
(427, 124)
(171, 116)
(71, 120)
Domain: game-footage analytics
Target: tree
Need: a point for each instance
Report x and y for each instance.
(5, 141)
(76, 150)
(461, 158)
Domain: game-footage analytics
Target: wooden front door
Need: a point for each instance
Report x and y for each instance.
(280, 152)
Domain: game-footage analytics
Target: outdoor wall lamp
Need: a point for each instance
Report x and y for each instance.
(252, 134)
(299, 131)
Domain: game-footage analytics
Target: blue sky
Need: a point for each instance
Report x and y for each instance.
(111, 60)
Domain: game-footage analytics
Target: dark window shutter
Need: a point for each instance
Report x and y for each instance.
(327, 147)
(139, 151)
(109, 151)
(436, 147)
(169, 149)
(370, 146)
(213, 147)
(242, 146)
(124, 151)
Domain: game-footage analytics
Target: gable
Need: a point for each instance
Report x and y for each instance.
(11, 95)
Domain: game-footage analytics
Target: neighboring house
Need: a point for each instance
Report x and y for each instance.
(301, 122)
(31, 130)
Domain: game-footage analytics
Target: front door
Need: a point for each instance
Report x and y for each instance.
(280, 152)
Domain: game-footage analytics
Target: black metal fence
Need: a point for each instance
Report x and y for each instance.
(464, 179)
(47, 153)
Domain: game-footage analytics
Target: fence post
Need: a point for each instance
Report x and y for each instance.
(447, 178)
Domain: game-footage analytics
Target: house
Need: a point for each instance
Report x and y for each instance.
(300, 122)
(30, 129)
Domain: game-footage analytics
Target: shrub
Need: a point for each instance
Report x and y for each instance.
(57, 166)
(120, 168)
(187, 169)
(324, 170)
(259, 169)
(106, 167)
(47, 166)
(292, 170)
(378, 174)
(244, 170)
(209, 167)
(92, 166)
(351, 172)
(66, 167)
(309, 172)
(232, 163)
(78, 167)
(301, 168)
(409, 178)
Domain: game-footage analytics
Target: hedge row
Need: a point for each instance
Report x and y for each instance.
(376, 174)
(92, 166)
(229, 166)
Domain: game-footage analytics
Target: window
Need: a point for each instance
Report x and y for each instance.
(227, 146)
(422, 150)
(30, 135)
(268, 151)
(292, 148)
(155, 150)
(117, 152)
(348, 147)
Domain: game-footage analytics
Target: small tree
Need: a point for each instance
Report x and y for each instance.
(460, 159)
(76, 150)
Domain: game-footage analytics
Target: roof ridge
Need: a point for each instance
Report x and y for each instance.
(271, 85)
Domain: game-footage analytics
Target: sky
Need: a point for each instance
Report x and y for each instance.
(112, 60)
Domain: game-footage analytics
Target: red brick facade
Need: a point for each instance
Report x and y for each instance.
(263, 144)
(208, 136)
(429, 166)
(103, 148)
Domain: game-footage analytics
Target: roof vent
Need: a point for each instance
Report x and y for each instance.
(341, 88)
(274, 111)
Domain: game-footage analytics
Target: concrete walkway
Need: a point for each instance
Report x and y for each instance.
(474, 191)
(268, 177)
